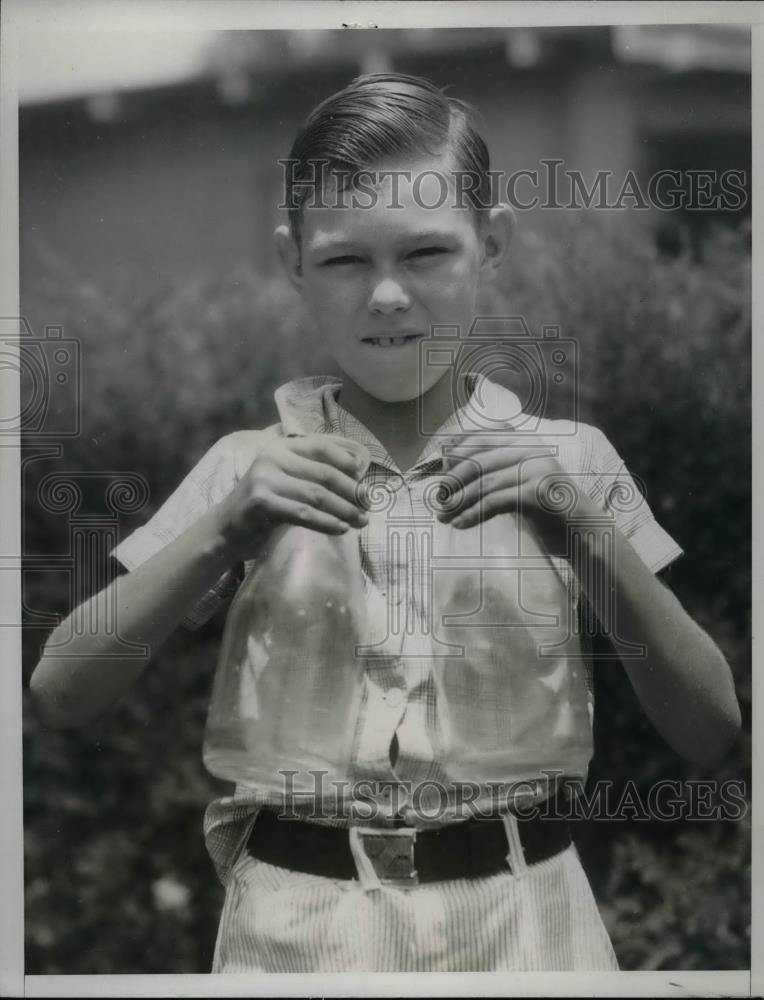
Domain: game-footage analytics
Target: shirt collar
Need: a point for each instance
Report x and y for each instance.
(309, 406)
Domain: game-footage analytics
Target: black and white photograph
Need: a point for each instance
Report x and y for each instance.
(377, 429)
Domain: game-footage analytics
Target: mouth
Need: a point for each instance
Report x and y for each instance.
(401, 340)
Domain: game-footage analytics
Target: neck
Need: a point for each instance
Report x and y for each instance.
(401, 427)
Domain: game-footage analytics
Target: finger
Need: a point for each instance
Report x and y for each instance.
(468, 465)
(319, 497)
(471, 470)
(506, 501)
(346, 455)
(456, 448)
(289, 511)
(490, 482)
(465, 479)
(327, 476)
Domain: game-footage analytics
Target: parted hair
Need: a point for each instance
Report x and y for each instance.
(378, 116)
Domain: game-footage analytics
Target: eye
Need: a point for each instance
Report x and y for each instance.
(424, 252)
(343, 259)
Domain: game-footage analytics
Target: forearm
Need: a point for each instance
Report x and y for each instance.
(85, 670)
(682, 680)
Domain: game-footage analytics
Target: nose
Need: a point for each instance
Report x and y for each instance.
(388, 296)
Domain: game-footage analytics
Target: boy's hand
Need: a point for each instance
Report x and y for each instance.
(488, 476)
(311, 481)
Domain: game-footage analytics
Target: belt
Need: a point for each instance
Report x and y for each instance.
(402, 855)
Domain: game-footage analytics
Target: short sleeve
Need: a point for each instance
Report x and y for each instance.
(208, 482)
(610, 484)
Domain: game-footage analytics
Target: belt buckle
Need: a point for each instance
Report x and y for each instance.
(391, 853)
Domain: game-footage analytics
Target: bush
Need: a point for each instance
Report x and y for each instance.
(117, 879)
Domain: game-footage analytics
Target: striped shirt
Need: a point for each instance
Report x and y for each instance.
(398, 731)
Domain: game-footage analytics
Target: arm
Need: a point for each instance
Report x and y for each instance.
(308, 481)
(683, 683)
(74, 683)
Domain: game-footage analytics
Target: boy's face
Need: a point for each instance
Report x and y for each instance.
(376, 279)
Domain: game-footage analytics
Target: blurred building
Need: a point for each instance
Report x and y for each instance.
(133, 188)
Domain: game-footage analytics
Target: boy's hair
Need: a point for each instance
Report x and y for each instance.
(377, 116)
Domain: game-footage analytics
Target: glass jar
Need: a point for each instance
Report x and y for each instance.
(289, 678)
(512, 695)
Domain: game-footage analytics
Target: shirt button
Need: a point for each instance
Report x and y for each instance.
(394, 697)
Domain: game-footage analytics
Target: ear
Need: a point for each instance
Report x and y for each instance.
(289, 254)
(497, 229)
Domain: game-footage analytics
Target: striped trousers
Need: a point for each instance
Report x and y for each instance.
(541, 917)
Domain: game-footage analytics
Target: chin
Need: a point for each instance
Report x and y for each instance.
(393, 393)
(396, 390)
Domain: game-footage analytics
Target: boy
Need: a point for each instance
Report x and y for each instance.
(377, 272)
